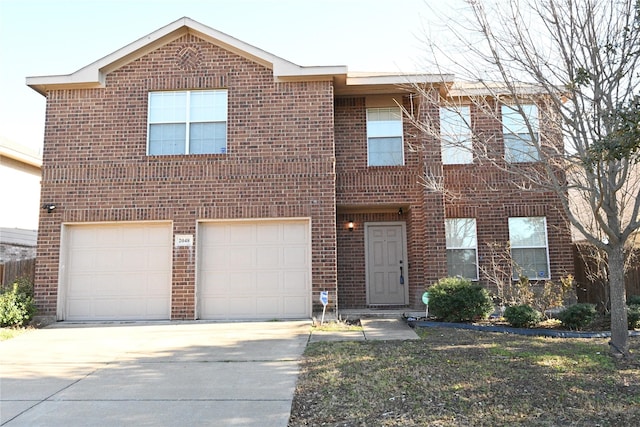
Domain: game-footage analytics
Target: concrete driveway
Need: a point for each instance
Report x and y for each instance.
(159, 374)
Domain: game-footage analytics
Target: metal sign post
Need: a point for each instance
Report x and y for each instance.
(324, 299)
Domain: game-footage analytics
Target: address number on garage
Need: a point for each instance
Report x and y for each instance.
(184, 240)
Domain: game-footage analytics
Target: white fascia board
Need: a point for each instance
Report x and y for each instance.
(397, 79)
(494, 89)
(286, 70)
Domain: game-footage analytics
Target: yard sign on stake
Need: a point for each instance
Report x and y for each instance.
(425, 300)
(324, 299)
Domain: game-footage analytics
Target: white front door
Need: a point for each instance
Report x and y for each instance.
(387, 282)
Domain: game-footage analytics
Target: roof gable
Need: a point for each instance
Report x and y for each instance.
(93, 75)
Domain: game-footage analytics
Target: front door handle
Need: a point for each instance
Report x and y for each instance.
(401, 276)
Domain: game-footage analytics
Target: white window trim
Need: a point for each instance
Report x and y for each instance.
(546, 247)
(475, 248)
(385, 136)
(187, 121)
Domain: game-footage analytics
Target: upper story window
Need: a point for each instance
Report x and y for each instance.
(455, 134)
(519, 146)
(187, 122)
(384, 137)
(462, 248)
(529, 251)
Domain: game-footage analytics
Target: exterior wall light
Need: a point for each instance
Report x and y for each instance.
(49, 207)
(350, 225)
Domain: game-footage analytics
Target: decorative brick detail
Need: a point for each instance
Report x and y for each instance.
(188, 57)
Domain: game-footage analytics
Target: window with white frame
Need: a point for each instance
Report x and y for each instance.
(455, 135)
(187, 122)
(521, 131)
(462, 248)
(529, 249)
(384, 137)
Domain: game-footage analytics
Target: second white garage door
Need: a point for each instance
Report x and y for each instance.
(254, 270)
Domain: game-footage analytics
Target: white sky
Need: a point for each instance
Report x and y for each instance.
(48, 37)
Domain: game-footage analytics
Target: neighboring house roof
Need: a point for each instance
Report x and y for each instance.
(22, 166)
(20, 153)
(583, 211)
(18, 236)
(93, 75)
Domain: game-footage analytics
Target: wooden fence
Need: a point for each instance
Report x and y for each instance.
(594, 290)
(11, 270)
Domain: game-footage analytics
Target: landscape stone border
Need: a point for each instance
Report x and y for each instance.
(518, 331)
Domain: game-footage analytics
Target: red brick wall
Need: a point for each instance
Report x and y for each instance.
(476, 190)
(280, 160)
(489, 194)
(374, 194)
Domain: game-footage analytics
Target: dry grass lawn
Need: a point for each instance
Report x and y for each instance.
(467, 378)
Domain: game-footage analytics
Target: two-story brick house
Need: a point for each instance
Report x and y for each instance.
(196, 176)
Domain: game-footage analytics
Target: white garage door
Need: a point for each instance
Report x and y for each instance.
(117, 271)
(254, 270)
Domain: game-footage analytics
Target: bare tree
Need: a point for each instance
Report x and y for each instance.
(576, 61)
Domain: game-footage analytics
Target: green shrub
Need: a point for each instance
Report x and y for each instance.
(17, 306)
(522, 316)
(633, 300)
(578, 316)
(455, 299)
(633, 316)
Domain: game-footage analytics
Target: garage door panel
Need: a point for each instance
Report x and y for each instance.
(157, 283)
(296, 233)
(293, 305)
(268, 233)
(240, 257)
(212, 236)
(268, 283)
(268, 256)
(118, 271)
(295, 257)
(269, 307)
(244, 307)
(265, 263)
(293, 280)
(82, 261)
(240, 283)
(105, 308)
(81, 307)
(241, 233)
(209, 281)
(136, 258)
(216, 256)
(85, 284)
(106, 260)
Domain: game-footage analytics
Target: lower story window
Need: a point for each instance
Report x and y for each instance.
(529, 247)
(462, 248)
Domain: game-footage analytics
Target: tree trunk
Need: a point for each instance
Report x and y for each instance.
(619, 328)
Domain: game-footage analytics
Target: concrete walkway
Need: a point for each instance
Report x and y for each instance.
(372, 329)
(161, 373)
